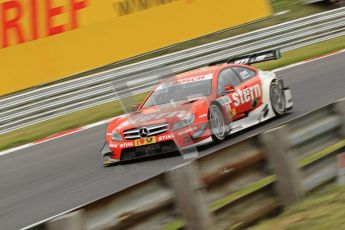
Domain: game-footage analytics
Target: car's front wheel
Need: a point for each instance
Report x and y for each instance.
(277, 99)
(216, 123)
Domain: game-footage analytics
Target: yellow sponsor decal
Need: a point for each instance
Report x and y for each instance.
(46, 40)
(145, 141)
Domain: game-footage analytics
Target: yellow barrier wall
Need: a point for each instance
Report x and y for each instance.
(46, 40)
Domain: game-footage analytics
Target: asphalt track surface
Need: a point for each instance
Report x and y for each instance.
(44, 180)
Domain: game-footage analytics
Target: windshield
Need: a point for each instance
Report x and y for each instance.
(179, 91)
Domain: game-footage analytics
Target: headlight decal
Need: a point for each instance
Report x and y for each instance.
(184, 122)
(116, 136)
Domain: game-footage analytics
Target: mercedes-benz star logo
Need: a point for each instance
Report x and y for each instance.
(143, 132)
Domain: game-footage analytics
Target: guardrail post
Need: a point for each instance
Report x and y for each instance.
(289, 183)
(341, 169)
(339, 107)
(70, 221)
(189, 198)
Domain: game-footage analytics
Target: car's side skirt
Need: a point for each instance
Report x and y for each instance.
(260, 114)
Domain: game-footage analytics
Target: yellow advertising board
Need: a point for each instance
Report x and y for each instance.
(46, 40)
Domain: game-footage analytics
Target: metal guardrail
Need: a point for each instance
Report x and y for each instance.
(231, 188)
(27, 108)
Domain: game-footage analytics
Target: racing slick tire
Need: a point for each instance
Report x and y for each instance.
(217, 123)
(277, 99)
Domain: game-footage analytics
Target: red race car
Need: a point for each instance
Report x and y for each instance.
(198, 107)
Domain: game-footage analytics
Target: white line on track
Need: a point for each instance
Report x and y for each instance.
(55, 137)
(307, 61)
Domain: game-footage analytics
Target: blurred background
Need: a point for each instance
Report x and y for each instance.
(70, 66)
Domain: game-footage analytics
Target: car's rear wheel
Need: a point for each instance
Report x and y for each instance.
(277, 99)
(216, 123)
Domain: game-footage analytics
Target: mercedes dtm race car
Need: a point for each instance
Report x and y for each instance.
(198, 107)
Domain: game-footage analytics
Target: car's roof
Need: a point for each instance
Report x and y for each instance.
(196, 72)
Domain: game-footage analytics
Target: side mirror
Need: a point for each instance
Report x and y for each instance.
(135, 107)
(229, 89)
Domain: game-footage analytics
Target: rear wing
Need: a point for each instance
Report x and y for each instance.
(253, 58)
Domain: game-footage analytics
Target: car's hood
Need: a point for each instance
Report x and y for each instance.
(168, 113)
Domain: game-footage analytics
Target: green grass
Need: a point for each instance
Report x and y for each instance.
(264, 182)
(88, 116)
(322, 210)
(304, 53)
(321, 154)
(70, 121)
(242, 193)
(215, 206)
